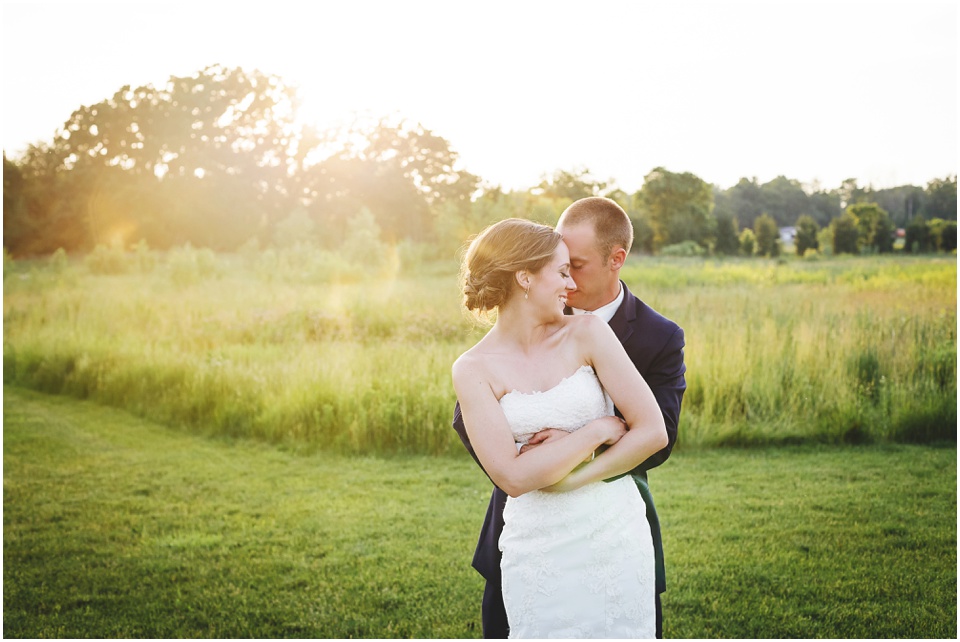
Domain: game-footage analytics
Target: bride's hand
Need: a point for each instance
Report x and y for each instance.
(611, 429)
(542, 437)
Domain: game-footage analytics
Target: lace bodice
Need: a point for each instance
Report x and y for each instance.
(569, 405)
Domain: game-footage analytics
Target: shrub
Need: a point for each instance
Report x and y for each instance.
(807, 231)
(845, 234)
(144, 258)
(189, 265)
(767, 235)
(748, 242)
(685, 248)
(107, 260)
(58, 261)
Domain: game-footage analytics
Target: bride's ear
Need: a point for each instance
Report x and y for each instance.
(523, 279)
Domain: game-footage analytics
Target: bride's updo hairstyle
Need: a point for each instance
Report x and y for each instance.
(497, 254)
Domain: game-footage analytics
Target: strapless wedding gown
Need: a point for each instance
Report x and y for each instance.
(578, 564)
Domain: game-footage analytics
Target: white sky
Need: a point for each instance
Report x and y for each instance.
(813, 91)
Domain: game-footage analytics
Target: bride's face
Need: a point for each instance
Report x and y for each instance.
(551, 285)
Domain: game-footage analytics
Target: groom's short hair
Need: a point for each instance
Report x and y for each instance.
(610, 222)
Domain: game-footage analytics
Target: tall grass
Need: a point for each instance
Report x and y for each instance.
(839, 350)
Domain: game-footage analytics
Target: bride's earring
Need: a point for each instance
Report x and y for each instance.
(526, 292)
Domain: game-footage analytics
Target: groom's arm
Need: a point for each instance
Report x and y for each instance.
(665, 376)
(462, 432)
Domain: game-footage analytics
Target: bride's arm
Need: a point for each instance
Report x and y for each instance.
(493, 442)
(646, 433)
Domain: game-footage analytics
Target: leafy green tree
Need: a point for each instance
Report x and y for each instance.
(882, 233)
(807, 231)
(874, 228)
(784, 200)
(948, 236)
(217, 121)
(678, 206)
(49, 206)
(16, 224)
(845, 234)
(902, 203)
(572, 185)
(727, 242)
(767, 235)
(941, 199)
(204, 158)
(398, 170)
(748, 242)
(942, 234)
(824, 206)
(746, 199)
(850, 193)
(917, 236)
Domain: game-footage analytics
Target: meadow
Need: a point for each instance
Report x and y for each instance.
(291, 349)
(278, 459)
(116, 527)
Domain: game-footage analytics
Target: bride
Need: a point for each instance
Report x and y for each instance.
(578, 558)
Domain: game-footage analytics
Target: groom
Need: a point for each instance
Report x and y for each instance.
(598, 234)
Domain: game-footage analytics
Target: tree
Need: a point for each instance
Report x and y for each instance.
(768, 236)
(941, 199)
(398, 170)
(845, 234)
(784, 199)
(948, 236)
(204, 159)
(15, 221)
(746, 199)
(902, 203)
(850, 193)
(678, 207)
(874, 228)
(917, 239)
(727, 242)
(942, 234)
(48, 206)
(882, 233)
(748, 242)
(824, 206)
(807, 231)
(571, 185)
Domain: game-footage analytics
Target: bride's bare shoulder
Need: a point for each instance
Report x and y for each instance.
(470, 364)
(584, 324)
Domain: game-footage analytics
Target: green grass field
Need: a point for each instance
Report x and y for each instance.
(840, 350)
(119, 527)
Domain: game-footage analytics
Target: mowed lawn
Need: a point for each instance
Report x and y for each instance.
(117, 527)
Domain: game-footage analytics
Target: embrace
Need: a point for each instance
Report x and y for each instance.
(568, 400)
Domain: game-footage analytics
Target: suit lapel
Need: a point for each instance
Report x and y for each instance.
(622, 321)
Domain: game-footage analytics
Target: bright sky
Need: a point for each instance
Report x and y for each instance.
(813, 91)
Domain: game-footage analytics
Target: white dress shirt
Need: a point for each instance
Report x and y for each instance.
(607, 311)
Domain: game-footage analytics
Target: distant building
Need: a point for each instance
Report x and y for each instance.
(787, 235)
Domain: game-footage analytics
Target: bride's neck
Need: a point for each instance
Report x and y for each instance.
(516, 326)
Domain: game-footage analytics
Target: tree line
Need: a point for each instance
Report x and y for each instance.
(219, 160)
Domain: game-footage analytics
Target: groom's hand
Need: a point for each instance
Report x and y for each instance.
(542, 437)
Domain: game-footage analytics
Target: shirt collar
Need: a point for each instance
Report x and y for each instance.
(607, 311)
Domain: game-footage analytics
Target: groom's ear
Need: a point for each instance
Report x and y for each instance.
(617, 258)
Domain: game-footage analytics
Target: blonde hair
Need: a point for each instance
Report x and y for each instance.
(610, 223)
(497, 254)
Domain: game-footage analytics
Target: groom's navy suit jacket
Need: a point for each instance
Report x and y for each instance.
(655, 345)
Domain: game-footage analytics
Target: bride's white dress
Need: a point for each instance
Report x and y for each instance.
(578, 564)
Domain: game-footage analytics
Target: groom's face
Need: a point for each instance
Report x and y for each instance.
(592, 272)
